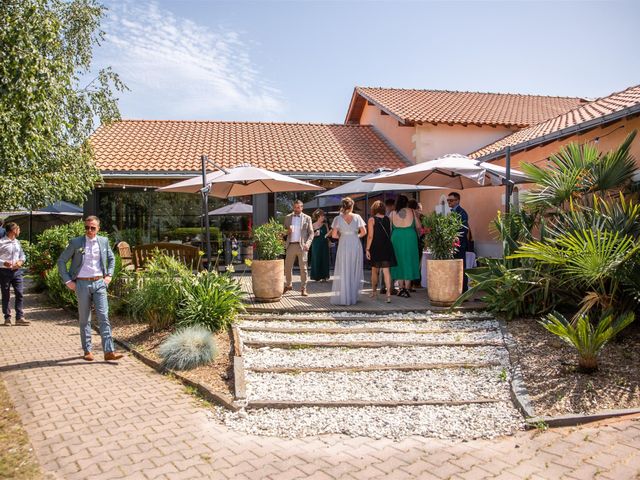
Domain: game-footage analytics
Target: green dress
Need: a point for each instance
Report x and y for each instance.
(405, 246)
(320, 255)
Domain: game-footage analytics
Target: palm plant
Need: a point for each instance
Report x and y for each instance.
(587, 340)
(579, 170)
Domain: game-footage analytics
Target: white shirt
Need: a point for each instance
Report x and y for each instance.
(10, 251)
(91, 262)
(296, 224)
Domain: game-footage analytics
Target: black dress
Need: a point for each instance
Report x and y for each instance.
(381, 250)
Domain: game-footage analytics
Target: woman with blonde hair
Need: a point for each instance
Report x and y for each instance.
(348, 274)
(379, 248)
(319, 247)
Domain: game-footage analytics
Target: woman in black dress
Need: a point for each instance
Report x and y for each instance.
(379, 248)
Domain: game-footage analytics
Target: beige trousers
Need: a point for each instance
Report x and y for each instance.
(294, 250)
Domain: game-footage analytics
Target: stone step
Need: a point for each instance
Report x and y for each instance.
(366, 403)
(327, 357)
(405, 316)
(363, 344)
(391, 386)
(358, 329)
(373, 368)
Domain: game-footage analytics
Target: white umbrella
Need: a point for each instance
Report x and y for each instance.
(249, 180)
(191, 185)
(366, 185)
(452, 171)
(237, 208)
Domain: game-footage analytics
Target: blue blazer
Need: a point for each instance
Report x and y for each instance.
(75, 253)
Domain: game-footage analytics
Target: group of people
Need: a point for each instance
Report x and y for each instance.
(393, 247)
(85, 266)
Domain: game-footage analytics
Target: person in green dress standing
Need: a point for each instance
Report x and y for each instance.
(404, 237)
(319, 247)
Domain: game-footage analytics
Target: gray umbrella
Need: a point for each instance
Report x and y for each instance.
(237, 208)
(359, 186)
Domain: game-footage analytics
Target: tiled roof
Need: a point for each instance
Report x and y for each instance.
(593, 110)
(466, 108)
(176, 146)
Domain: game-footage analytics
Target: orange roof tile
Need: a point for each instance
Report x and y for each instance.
(596, 109)
(176, 146)
(466, 108)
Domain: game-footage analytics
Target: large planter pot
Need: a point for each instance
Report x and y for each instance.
(444, 281)
(267, 277)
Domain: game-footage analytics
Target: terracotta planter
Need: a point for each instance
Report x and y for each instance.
(267, 277)
(444, 283)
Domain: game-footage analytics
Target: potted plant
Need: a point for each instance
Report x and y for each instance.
(444, 273)
(267, 271)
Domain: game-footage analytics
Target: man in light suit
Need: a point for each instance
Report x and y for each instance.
(92, 266)
(299, 237)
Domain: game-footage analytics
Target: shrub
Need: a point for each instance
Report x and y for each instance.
(43, 254)
(188, 348)
(157, 291)
(210, 300)
(441, 234)
(59, 294)
(587, 340)
(269, 240)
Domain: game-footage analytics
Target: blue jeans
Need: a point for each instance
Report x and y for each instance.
(11, 278)
(96, 291)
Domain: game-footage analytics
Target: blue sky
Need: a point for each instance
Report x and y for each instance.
(298, 61)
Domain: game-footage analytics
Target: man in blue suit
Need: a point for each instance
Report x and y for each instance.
(89, 275)
(453, 199)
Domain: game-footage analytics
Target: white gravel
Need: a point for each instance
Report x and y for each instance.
(490, 336)
(421, 315)
(392, 385)
(358, 357)
(399, 325)
(463, 422)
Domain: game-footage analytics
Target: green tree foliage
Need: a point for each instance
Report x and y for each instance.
(46, 113)
(269, 242)
(441, 234)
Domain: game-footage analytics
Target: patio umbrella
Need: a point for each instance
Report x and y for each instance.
(452, 171)
(366, 185)
(191, 185)
(250, 180)
(237, 208)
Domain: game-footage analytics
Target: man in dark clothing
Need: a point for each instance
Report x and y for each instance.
(453, 199)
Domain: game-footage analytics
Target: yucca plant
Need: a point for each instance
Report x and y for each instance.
(210, 300)
(188, 348)
(587, 340)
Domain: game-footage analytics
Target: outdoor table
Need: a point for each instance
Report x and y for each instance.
(470, 262)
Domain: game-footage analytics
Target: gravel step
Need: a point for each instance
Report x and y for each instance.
(362, 344)
(373, 368)
(253, 337)
(349, 316)
(369, 327)
(258, 404)
(435, 385)
(268, 357)
(478, 420)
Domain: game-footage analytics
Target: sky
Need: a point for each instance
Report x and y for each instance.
(299, 61)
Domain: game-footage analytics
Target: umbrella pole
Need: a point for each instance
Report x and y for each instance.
(205, 203)
(507, 196)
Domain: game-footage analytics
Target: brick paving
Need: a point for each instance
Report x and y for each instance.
(100, 420)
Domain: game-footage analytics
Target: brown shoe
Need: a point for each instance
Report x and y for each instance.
(303, 292)
(112, 356)
(7, 323)
(286, 289)
(23, 322)
(88, 356)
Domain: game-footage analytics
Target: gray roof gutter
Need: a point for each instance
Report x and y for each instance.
(565, 132)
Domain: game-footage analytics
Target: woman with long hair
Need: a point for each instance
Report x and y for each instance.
(404, 238)
(379, 248)
(319, 247)
(348, 274)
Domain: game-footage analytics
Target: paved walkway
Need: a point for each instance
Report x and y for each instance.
(99, 420)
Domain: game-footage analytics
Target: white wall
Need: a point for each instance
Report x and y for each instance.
(399, 136)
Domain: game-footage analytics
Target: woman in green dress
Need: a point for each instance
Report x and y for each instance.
(319, 247)
(404, 237)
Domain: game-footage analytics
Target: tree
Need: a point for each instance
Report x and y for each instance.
(46, 114)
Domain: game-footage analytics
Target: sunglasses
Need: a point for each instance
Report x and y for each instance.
(451, 199)
(89, 227)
